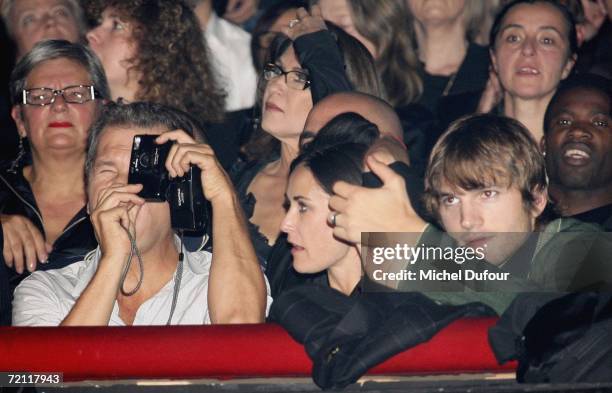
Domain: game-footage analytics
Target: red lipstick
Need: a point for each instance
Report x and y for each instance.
(60, 124)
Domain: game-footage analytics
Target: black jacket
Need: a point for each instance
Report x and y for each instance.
(16, 197)
(345, 336)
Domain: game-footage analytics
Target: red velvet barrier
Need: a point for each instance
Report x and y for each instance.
(219, 352)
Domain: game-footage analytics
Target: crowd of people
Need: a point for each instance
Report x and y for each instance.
(310, 125)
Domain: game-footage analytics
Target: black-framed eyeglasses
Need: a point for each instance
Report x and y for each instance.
(297, 80)
(42, 96)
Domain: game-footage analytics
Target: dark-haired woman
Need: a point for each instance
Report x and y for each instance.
(337, 153)
(290, 88)
(533, 47)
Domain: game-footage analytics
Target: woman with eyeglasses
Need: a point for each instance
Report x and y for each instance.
(57, 90)
(288, 91)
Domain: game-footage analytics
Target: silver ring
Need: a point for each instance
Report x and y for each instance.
(332, 219)
(293, 22)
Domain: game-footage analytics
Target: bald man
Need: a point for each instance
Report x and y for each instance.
(372, 108)
(378, 112)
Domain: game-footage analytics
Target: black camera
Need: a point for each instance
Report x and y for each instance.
(189, 210)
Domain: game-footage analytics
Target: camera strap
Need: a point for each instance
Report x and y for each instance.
(177, 275)
(133, 250)
(177, 279)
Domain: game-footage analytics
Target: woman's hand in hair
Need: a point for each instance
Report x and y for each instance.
(306, 23)
(384, 209)
(24, 245)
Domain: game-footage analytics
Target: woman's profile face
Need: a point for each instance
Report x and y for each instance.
(59, 126)
(112, 42)
(314, 247)
(284, 108)
(531, 53)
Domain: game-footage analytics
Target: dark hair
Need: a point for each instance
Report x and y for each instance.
(265, 22)
(338, 150)
(360, 71)
(139, 115)
(479, 151)
(578, 81)
(172, 56)
(567, 16)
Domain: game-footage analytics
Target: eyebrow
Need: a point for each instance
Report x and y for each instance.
(596, 111)
(299, 198)
(515, 25)
(302, 70)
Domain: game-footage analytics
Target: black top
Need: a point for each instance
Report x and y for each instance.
(595, 56)
(77, 239)
(8, 131)
(242, 175)
(471, 77)
(463, 95)
(225, 137)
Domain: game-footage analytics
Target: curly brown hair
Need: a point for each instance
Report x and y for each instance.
(172, 55)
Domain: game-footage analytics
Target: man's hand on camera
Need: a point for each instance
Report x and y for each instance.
(185, 152)
(115, 212)
(24, 245)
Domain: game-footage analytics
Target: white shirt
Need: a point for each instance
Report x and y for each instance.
(46, 297)
(230, 49)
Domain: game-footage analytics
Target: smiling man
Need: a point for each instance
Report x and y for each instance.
(578, 145)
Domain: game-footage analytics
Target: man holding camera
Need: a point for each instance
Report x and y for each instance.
(140, 274)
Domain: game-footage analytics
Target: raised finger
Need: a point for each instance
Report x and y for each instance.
(39, 243)
(192, 155)
(171, 155)
(315, 10)
(178, 136)
(117, 187)
(176, 161)
(17, 250)
(29, 252)
(117, 198)
(7, 254)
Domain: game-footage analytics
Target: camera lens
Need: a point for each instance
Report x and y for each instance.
(145, 160)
